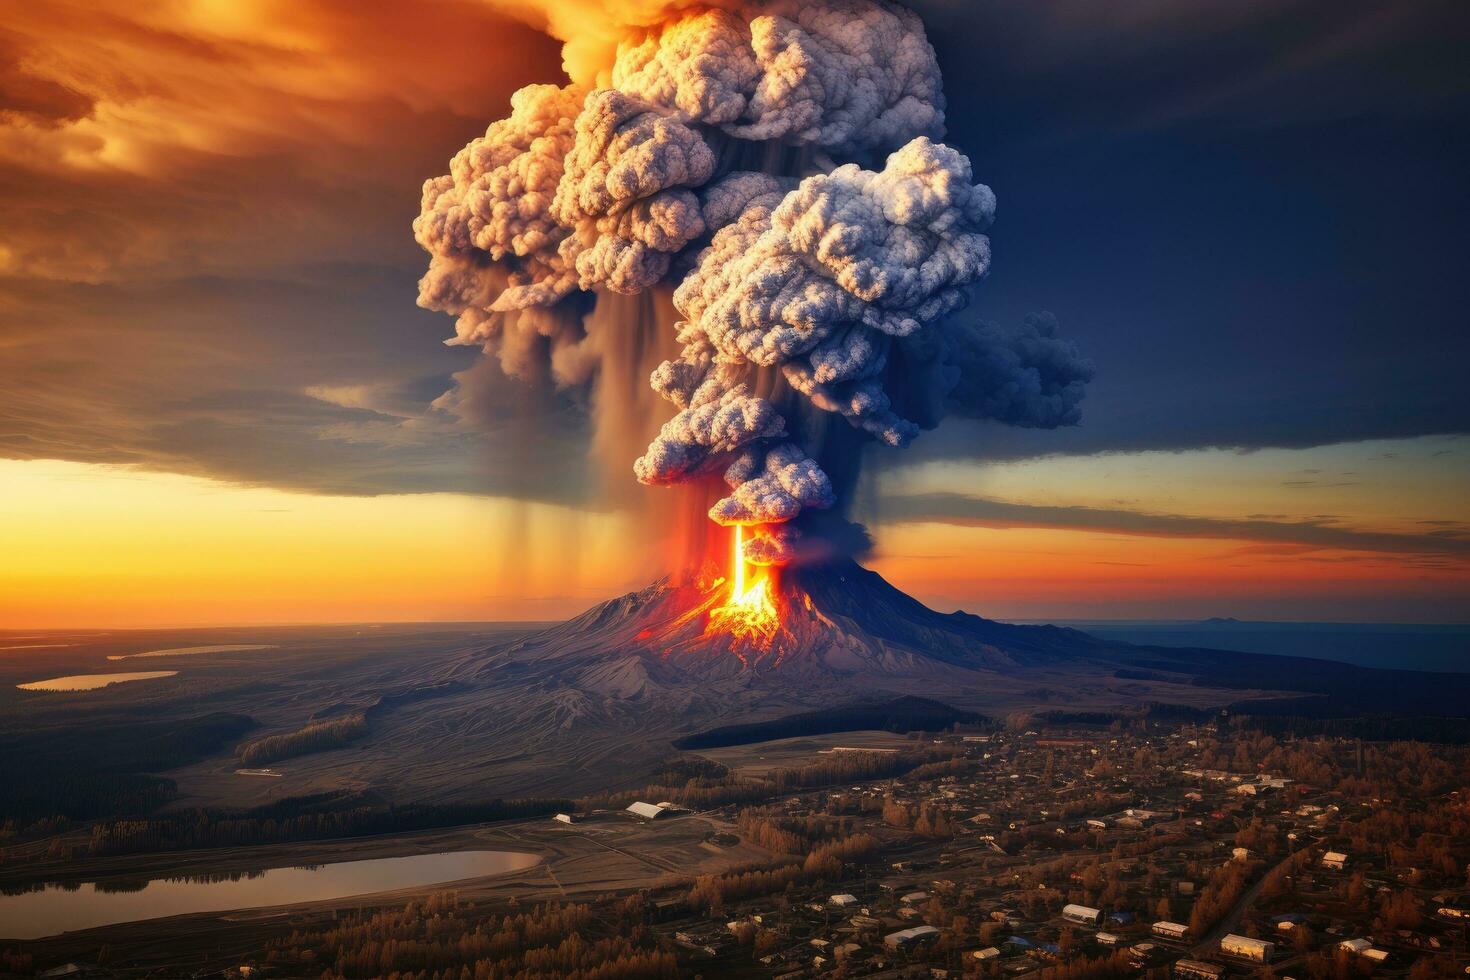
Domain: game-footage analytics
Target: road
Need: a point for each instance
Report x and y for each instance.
(1227, 924)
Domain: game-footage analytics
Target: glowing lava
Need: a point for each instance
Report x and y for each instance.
(750, 613)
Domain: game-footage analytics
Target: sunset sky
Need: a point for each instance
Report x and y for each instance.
(220, 403)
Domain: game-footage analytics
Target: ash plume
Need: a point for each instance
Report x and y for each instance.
(777, 171)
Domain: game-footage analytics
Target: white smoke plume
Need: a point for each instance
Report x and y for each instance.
(730, 153)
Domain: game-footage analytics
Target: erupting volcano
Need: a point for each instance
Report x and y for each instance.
(746, 211)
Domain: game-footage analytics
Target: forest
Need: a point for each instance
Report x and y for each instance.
(297, 819)
(318, 736)
(103, 768)
(906, 714)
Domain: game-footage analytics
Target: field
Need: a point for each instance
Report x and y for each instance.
(787, 753)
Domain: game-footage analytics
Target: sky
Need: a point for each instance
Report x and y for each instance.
(220, 403)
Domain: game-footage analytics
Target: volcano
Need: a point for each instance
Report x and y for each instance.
(838, 621)
(658, 658)
(602, 700)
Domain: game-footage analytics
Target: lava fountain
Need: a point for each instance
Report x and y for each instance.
(750, 613)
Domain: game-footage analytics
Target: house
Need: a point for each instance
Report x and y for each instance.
(647, 811)
(1245, 948)
(1142, 952)
(1198, 970)
(1170, 930)
(988, 953)
(909, 938)
(1081, 914)
(914, 898)
(565, 818)
(1355, 945)
(1240, 854)
(1334, 861)
(844, 900)
(1108, 939)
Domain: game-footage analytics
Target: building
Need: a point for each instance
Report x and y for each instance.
(909, 938)
(1334, 861)
(1355, 945)
(1176, 931)
(844, 900)
(565, 818)
(1240, 854)
(1108, 938)
(1198, 970)
(988, 953)
(914, 898)
(1245, 948)
(647, 811)
(1081, 914)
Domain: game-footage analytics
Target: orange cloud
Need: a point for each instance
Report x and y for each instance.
(140, 138)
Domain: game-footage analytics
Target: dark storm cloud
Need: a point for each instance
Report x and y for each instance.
(1290, 537)
(1249, 215)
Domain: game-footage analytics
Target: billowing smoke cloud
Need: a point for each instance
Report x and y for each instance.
(779, 166)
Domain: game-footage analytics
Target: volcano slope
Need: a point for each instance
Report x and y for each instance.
(597, 702)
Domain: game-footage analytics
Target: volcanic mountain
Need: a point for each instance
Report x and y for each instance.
(840, 622)
(600, 700)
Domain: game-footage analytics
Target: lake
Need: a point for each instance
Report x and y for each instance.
(91, 682)
(190, 651)
(57, 908)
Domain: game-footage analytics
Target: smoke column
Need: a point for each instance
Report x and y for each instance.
(745, 213)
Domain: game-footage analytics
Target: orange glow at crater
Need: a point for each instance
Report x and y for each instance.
(750, 613)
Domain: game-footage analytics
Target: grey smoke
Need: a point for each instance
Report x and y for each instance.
(828, 288)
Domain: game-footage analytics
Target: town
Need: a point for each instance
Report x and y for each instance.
(1042, 847)
(1084, 853)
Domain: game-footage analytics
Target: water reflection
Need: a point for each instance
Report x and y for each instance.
(91, 682)
(51, 908)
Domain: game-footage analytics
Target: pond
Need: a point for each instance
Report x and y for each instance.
(91, 682)
(55, 908)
